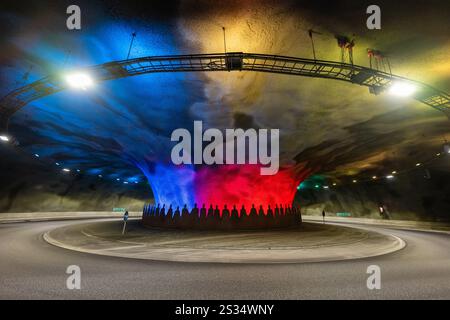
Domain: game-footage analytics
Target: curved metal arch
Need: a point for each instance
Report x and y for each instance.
(377, 81)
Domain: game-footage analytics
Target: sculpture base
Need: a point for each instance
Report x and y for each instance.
(222, 223)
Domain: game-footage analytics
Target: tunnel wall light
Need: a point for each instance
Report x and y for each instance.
(447, 148)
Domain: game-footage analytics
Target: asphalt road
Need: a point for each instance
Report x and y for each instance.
(30, 268)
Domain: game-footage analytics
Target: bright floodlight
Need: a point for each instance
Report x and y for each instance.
(4, 138)
(79, 80)
(402, 89)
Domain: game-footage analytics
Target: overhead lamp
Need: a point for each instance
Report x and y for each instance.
(394, 172)
(79, 80)
(374, 177)
(390, 176)
(66, 170)
(4, 138)
(326, 187)
(402, 89)
(418, 164)
(355, 181)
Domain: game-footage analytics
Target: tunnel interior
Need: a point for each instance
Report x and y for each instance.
(115, 138)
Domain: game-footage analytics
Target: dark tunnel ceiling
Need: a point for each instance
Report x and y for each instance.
(339, 127)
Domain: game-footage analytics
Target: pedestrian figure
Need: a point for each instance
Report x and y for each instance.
(323, 215)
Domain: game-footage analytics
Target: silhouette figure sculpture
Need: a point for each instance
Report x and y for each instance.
(225, 212)
(269, 212)
(253, 212)
(185, 212)
(261, 211)
(234, 213)
(203, 212)
(217, 213)
(243, 213)
(214, 218)
(194, 212)
(277, 211)
(210, 211)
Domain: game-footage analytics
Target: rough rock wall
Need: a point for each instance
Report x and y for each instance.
(407, 197)
(27, 185)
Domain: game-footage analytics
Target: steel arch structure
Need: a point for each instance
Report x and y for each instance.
(375, 80)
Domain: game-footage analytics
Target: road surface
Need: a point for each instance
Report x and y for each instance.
(30, 268)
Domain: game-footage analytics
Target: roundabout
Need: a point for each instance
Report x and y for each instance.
(310, 242)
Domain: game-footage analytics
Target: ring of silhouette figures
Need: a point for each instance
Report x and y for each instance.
(214, 218)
